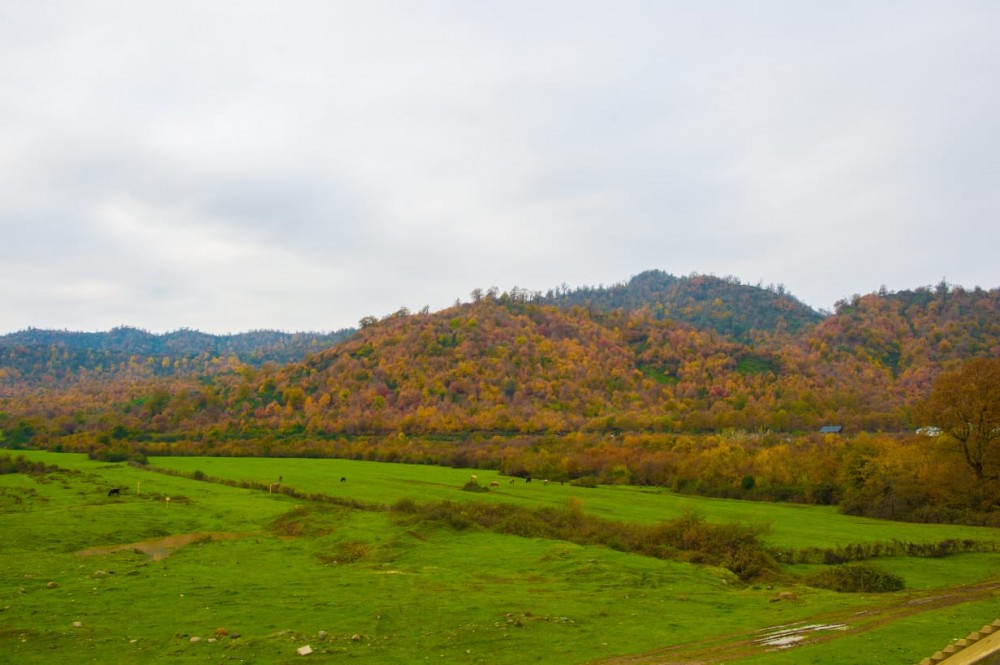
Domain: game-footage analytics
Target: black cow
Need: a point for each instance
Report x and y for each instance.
(114, 492)
(343, 480)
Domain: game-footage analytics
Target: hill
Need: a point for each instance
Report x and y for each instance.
(722, 304)
(511, 364)
(54, 357)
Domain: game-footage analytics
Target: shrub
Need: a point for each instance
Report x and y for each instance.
(584, 481)
(473, 486)
(857, 578)
(346, 552)
(405, 505)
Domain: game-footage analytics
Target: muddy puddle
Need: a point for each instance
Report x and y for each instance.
(157, 549)
(785, 637)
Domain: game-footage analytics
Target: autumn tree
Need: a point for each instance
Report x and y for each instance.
(965, 405)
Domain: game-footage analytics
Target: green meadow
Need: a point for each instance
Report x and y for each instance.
(224, 573)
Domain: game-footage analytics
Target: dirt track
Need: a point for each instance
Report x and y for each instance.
(812, 630)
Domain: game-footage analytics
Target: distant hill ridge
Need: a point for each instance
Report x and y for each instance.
(179, 342)
(50, 357)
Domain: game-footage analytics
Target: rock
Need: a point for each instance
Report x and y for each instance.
(234, 636)
(304, 651)
(221, 632)
(355, 637)
(51, 585)
(321, 634)
(195, 639)
(78, 624)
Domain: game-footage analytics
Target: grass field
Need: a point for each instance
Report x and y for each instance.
(375, 586)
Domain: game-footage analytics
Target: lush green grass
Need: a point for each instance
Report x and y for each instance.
(790, 525)
(412, 591)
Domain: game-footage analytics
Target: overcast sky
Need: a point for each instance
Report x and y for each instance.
(297, 165)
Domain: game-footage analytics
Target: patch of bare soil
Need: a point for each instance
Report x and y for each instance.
(160, 548)
(812, 630)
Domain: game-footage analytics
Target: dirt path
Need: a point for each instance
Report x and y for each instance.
(160, 548)
(812, 630)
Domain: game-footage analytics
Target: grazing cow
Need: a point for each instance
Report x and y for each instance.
(343, 479)
(511, 482)
(545, 482)
(494, 484)
(115, 492)
(473, 478)
(528, 479)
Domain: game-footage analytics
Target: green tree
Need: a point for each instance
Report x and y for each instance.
(965, 405)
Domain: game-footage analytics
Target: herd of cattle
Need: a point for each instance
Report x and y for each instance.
(494, 484)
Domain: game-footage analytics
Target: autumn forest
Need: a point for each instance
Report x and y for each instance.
(698, 383)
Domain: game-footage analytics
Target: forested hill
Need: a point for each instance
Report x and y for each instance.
(723, 304)
(511, 365)
(49, 357)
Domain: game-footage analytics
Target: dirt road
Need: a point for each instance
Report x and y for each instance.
(813, 630)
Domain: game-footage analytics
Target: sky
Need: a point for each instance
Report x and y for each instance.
(238, 165)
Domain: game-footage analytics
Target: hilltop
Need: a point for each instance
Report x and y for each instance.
(722, 304)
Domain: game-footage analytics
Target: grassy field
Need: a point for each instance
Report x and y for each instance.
(375, 586)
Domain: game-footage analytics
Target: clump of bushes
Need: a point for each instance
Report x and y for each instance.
(736, 547)
(857, 578)
(405, 505)
(21, 464)
(873, 550)
(689, 538)
(304, 521)
(474, 486)
(117, 454)
(345, 552)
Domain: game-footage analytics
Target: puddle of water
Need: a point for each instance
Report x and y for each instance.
(786, 637)
(159, 548)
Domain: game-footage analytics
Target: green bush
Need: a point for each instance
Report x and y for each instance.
(857, 578)
(346, 552)
(405, 505)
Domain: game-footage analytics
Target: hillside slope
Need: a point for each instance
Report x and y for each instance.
(511, 365)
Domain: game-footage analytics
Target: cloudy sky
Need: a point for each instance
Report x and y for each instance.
(297, 165)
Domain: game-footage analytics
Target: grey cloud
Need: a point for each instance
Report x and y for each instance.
(300, 165)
